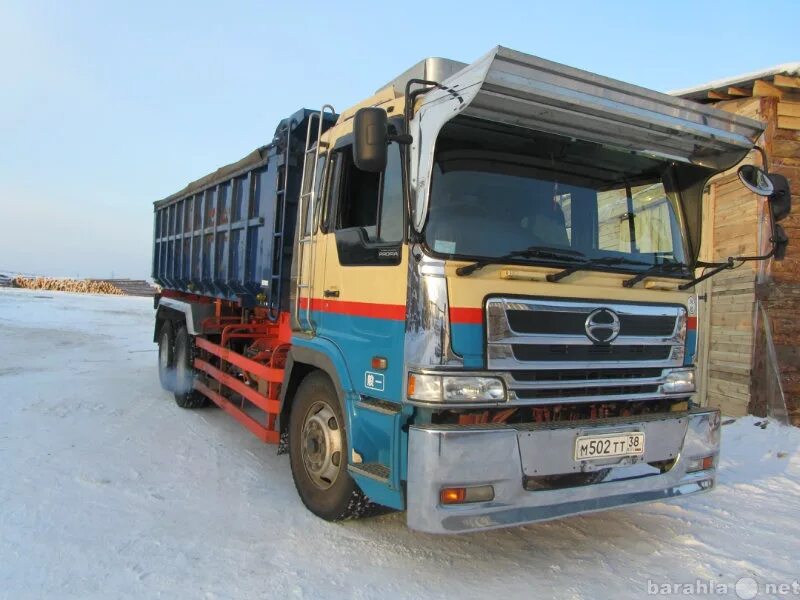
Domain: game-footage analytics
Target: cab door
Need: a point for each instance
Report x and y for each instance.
(364, 290)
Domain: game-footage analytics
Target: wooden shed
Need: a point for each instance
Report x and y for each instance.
(748, 355)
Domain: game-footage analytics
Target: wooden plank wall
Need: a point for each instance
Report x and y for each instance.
(780, 293)
(731, 229)
(749, 367)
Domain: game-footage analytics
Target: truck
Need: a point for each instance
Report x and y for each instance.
(470, 297)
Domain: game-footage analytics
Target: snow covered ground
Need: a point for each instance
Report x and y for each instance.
(109, 490)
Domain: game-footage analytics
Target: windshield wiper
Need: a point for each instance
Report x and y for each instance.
(593, 262)
(531, 252)
(657, 269)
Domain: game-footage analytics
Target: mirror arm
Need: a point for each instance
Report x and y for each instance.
(730, 262)
(401, 138)
(763, 158)
(719, 267)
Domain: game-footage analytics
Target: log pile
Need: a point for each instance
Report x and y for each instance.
(81, 286)
(132, 287)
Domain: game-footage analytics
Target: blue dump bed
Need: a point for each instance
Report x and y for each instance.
(231, 234)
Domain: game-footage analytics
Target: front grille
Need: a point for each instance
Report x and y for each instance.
(573, 323)
(556, 375)
(563, 352)
(608, 390)
(543, 349)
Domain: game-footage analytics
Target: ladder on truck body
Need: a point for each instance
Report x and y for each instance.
(306, 210)
(276, 279)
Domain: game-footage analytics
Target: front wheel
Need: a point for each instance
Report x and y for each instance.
(318, 453)
(185, 394)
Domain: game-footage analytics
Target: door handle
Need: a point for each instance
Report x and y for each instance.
(331, 293)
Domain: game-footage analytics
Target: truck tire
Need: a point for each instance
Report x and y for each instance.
(185, 395)
(166, 356)
(318, 453)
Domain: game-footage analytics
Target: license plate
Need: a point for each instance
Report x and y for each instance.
(609, 445)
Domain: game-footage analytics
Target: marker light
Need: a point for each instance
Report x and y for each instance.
(700, 464)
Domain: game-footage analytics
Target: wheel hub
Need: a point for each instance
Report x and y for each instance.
(322, 445)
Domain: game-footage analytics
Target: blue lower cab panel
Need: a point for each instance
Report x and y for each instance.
(467, 342)
(691, 346)
(350, 342)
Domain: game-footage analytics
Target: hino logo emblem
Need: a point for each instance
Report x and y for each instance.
(602, 326)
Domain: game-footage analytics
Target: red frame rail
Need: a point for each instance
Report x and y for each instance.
(269, 403)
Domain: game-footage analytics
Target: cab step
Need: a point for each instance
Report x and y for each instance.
(375, 471)
(383, 407)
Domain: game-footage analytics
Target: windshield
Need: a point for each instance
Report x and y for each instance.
(496, 192)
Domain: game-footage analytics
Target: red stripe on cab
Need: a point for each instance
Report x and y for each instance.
(466, 316)
(393, 312)
(691, 323)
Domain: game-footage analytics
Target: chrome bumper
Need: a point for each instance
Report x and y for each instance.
(504, 456)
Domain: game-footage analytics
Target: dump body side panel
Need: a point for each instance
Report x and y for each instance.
(229, 235)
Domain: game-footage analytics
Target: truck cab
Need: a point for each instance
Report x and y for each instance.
(508, 291)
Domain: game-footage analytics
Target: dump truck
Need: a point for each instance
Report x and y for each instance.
(470, 297)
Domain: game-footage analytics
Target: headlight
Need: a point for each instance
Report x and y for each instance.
(452, 388)
(473, 389)
(680, 381)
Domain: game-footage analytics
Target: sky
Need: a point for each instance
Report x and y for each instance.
(106, 107)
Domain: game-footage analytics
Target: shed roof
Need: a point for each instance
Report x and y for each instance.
(784, 75)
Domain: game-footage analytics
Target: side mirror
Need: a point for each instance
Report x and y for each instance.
(781, 240)
(780, 200)
(755, 180)
(780, 205)
(370, 139)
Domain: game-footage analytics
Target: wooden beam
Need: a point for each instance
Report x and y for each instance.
(789, 123)
(737, 91)
(788, 109)
(762, 88)
(712, 95)
(786, 81)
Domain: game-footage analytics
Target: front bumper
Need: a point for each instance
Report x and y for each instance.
(505, 456)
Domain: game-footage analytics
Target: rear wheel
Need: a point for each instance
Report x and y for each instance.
(318, 453)
(185, 394)
(166, 356)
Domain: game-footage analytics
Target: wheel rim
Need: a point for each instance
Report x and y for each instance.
(321, 445)
(163, 352)
(183, 373)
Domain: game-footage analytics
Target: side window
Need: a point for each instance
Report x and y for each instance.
(371, 201)
(328, 194)
(391, 213)
(309, 218)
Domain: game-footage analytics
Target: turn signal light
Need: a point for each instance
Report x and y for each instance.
(464, 495)
(452, 495)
